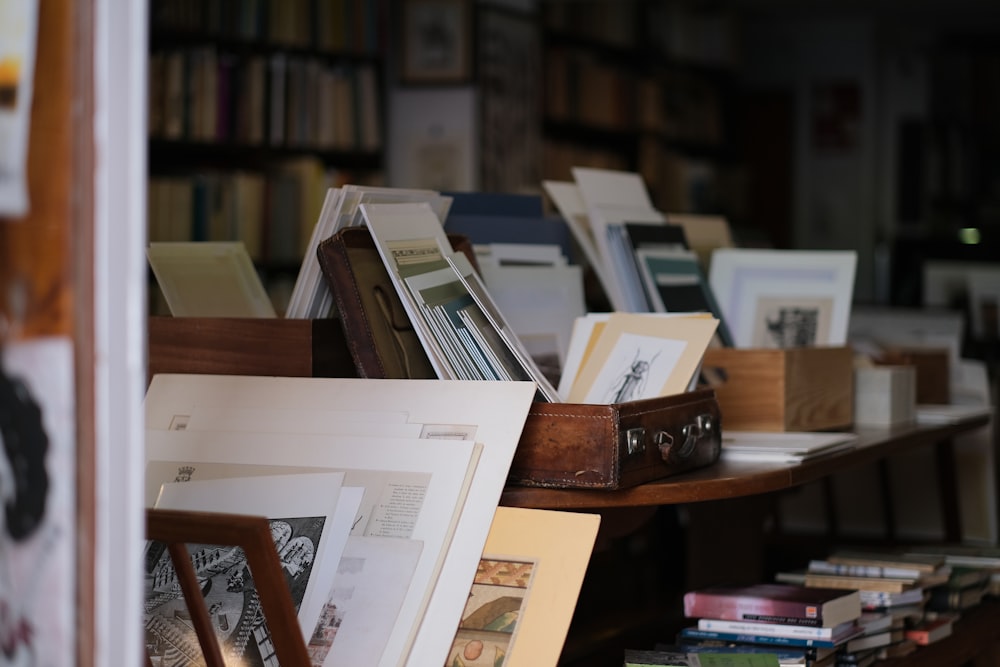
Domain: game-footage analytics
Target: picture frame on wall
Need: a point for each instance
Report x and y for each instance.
(436, 42)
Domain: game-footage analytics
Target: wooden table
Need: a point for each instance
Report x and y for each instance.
(727, 479)
(977, 635)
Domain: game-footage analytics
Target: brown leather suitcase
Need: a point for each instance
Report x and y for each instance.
(563, 445)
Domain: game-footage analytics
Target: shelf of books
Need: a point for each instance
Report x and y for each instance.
(256, 108)
(624, 89)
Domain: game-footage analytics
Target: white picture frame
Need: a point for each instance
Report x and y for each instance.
(984, 297)
(209, 279)
(810, 292)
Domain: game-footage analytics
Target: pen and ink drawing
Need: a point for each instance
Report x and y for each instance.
(230, 596)
(631, 382)
(637, 366)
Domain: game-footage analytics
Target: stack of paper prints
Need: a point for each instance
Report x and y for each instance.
(618, 357)
(426, 480)
(311, 297)
(633, 247)
(462, 331)
(784, 447)
(540, 295)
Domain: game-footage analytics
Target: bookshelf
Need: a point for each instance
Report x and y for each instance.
(625, 90)
(256, 108)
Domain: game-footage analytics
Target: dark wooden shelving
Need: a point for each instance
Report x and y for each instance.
(166, 155)
(162, 39)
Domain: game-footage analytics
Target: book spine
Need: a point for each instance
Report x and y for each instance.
(844, 569)
(786, 612)
(785, 620)
(769, 629)
(695, 633)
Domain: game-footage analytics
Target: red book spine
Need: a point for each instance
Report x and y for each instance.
(745, 608)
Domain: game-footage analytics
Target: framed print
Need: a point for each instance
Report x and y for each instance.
(209, 279)
(784, 298)
(508, 71)
(436, 41)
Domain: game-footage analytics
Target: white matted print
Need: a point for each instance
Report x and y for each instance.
(802, 296)
(18, 32)
(642, 355)
(984, 299)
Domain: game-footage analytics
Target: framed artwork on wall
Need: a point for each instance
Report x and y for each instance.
(436, 43)
(508, 71)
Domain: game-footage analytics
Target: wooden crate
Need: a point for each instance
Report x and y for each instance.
(800, 389)
(248, 346)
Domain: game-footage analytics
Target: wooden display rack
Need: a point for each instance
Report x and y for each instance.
(248, 346)
(251, 533)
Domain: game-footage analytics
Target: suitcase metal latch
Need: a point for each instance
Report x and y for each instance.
(702, 427)
(635, 441)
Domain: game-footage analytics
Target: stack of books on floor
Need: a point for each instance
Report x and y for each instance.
(801, 625)
(908, 600)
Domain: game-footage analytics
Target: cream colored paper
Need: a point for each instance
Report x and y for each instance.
(643, 356)
(539, 556)
(209, 279)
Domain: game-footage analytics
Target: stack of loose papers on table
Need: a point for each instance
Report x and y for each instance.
(783, 447)
(951, 414)
(459, 325)
(311, 297)
(381, 495)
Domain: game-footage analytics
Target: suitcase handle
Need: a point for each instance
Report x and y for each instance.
(692, 433)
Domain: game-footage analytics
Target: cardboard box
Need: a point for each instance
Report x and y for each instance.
(885, 395)
(800, 389)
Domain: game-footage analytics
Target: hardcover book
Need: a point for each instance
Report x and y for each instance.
(847, 582)
(787, 655)
(774, 603)
(930, 631)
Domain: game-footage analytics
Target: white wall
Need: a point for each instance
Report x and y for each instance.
(834, 203)
(120, 60)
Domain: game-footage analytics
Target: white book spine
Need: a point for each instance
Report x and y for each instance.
(765, 629)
